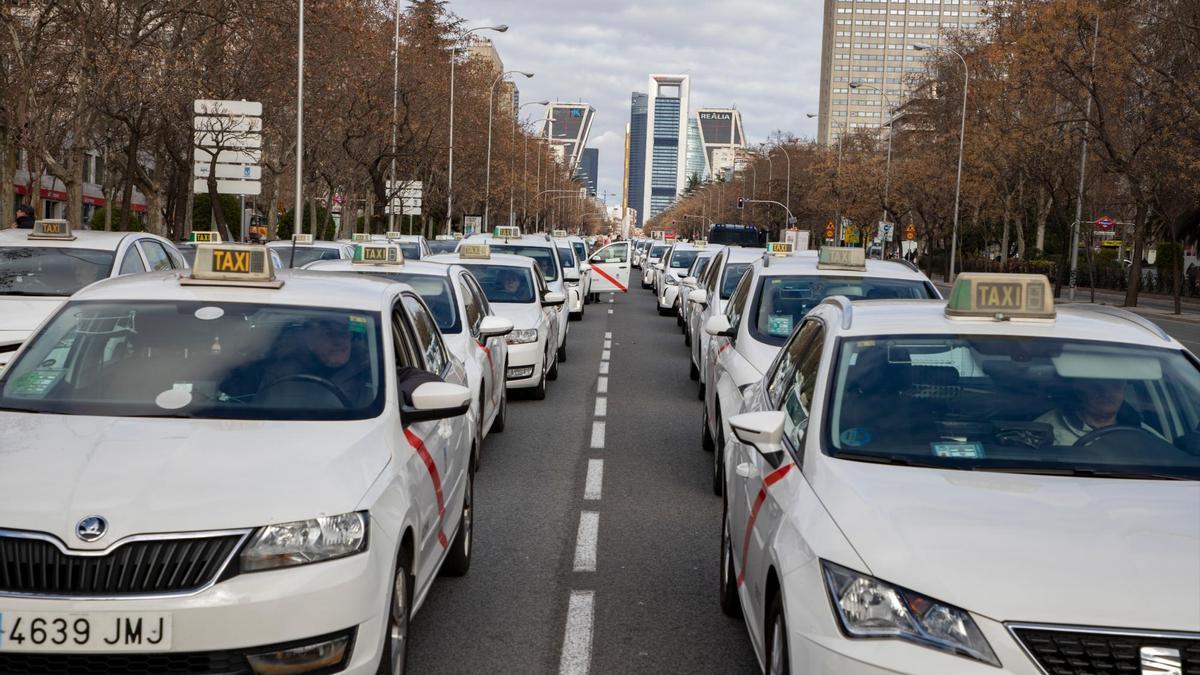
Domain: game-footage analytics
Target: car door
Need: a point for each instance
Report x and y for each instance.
(723, 358)
(549, 317)
(611, 265)
(473, 311)
(497, 346)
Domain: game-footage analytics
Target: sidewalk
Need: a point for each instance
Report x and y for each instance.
(1150, 305)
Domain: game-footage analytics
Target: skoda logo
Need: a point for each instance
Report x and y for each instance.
(91, 528)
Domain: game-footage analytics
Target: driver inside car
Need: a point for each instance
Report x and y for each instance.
(1095, 404)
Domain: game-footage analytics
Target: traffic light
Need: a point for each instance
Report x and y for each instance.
(741, 202)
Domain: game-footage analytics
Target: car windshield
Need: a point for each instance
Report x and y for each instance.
(657, 251)
(698, 266)
(781, 302)
(1016, 404)
(505, 283)
(188, 251)
(203, 360)
(543, 254)
(443, 245)
(733, 274)
(306, 254)
(437, 294)
(410, 249)
(580, 250)
(35, 270)
(681, 260)
(566, 257)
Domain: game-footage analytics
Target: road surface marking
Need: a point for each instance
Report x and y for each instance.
(585, 541)
(608, 336)
(601, 406)
(598, 435)
(577, 642)
(608, 344)
(610, 301)
(610, 311)
(595, 478)
(602, 385)
(605, 355)
(604, 367)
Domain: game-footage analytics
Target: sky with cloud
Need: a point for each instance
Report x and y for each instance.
(761, 56)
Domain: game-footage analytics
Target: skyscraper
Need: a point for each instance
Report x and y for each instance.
(870, 42)
(696, 168)
(568, 126)
(589, 168)
(635, 154)
(720, 137)
(666, 147)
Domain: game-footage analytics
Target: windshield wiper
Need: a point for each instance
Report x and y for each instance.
(44, 295)
(1080, 471)
(895, 460)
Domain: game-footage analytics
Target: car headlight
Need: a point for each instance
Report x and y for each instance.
(306, 541)
(521, 337)
(870, 608)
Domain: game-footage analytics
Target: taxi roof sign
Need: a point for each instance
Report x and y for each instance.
(841, 258)
(232, 265)
(558, 233)
(700, 243)
(393, 234)
(508, 231)
(780, 248)
(378, 254)
(475, 251)
(1001, 296)
(444, 237)
(301, 239)
(205, 237)
(360, 238)
(52, 228)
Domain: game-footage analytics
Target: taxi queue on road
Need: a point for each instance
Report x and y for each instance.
(190, 452)
(989, 483)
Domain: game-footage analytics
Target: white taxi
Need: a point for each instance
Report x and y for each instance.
(302, 249)
(585, 269)
(415, 246)
(674, 266)
(650, 260)
(471, 330)
(542, 249)
(41, 267)
(516, 290)
(230, 471)
(691, 281)
(989, 485)
(720, 278)
(573, 276)
(770, 300)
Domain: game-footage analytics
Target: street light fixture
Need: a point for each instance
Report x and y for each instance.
(487, 183)
(502, 28)
(962, 134)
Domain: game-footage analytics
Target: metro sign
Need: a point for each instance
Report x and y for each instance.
(1105, 223)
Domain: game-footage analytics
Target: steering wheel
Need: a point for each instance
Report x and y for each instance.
(1096, 434)
(311, 379)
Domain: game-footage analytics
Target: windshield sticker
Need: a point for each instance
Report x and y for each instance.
(35, 383)
(856, 437)
(958, 450)
(780, 325)
(209, 313)
(358, 324)
(173, 399)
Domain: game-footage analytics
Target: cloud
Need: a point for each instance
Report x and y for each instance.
(762, 56)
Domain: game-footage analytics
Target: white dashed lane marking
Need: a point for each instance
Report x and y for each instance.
(598, 435)
(605, 355)
(602, 385)
(586, 540)
(604, 367)
(595, 479)
(577, 641)
(601, 406)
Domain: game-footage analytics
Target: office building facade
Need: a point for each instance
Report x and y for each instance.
(567, 127)
(589, 168)
(870, 42)
(720, 137)
(635, 153)
(666, 142)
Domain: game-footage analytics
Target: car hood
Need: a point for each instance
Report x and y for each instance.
(177, 475)
(1017, 547)
(23, 314)
(523, 315)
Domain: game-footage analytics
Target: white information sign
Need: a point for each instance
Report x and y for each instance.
(227, 146)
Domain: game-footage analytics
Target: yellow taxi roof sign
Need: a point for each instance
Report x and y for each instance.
(378, 254)
(475, 251)
(1001, 296)
(393, 234)
(508, 232)
(841, 258)
(558, 234)
(360, 238)
(205, 237)
(52, 228)
(780, 248)
(700, 243)
(302, 239)
(232, 265)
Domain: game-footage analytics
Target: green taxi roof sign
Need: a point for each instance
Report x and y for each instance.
(378, 254)
(52, 228)
(474, 251)
(302, 239)
(232, 265)
(780, 248)
(204, 237)
(1001, 296)
(360, 238)
(841, 258)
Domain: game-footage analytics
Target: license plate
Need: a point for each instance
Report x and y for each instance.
(84, 632)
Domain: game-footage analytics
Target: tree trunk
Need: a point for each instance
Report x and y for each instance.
(1177, 291)
(1135, 269)
(1007, 222)
(8, 174)
(75, 188)
(312, 215)
(131, 153)
(1044, 202)
(1020, 217)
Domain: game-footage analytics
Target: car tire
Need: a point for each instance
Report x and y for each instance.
(687, 339)
(552, 374)
(458, 558)
(538, 393)
(575, 316)
(498, 420)
(693, 371)
(706, 439)
(700, 394)
(730, 604)
(718, 472)
(664, 312)
(776, 638)
(678, 318)
(393, 659)
(561, 355)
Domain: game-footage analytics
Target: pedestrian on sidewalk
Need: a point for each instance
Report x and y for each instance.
(24, 217)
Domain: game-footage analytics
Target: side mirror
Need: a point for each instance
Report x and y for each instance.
(553, 299)
(763, 430)
(595, 260)
(689, 281)
(659, 267)
(436, 401)
(699, 296)
(570, 275)
(495, 326)
(718, 326)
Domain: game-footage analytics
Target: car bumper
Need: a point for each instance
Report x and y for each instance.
(575, 299)
(346, 597)
(666, 299)
(524, 356)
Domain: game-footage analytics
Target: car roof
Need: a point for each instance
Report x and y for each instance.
(805, 262)
(738, 254)
(433, 269)
(105, 241)
(300, 288)
(320, 243)
(527, 239)
(510, 259)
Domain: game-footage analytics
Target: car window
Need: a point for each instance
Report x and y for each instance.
(780, 302)
(156, 256)
(304, 255)
(505, 283)
(737, 302)
(798, 397)
(410, 249)
(36, 270)
(681, 260)
(733, 274)
(473, 306)
(566, 257)
(657, 251)
(544, 255)
(437, 293)
(712, 274)
(698, 268)
(443, 245)
(780, 378)
(429, 341)
(580, 249)
(132, 262)
(614, 253)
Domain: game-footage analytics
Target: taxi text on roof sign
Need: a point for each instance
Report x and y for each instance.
(475, 251)
(52, 229)
(360, 237)
(559, 233)
(1001, 296)
(841, 258)
(700, 243)
(392, 234)
(444, 237)
(300, 239)
(378, 254)
(232, 265)
(780, 248)
(508, 232)
(205, 237)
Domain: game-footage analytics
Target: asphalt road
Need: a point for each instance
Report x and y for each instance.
(596, 547)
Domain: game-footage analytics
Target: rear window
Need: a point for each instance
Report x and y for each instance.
(781, 302)
(443, 246)
(544, 255)
(306, 254)
(35, 270)
(437, 294)
(657, 251)
(411, 249)
(504, 283)
(566, 257)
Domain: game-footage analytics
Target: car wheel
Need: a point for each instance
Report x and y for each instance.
(687, 340)
(553, 374)
(777, 647)
(729, 596)
(538, 393)
(678, 319)
(498, 420)
(700, 394)
(693, 371)
(562, 354)
(706, 439)
(394, 660)
(458, 558)
(718, 473)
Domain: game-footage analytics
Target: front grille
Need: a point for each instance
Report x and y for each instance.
(1062, 652)
(35, 566)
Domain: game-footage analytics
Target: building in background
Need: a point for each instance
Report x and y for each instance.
(696, 170)
(589, 169)
(484, 50)
(53, 192)
(720, 139)
(871, 43)
(635, 154)
(567, 125)
(666, 142)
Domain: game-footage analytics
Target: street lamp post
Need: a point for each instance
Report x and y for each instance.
(962, 134)
(887, 172)
(487, 183)
(297, 223)
(512, 213)
(450, 170)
